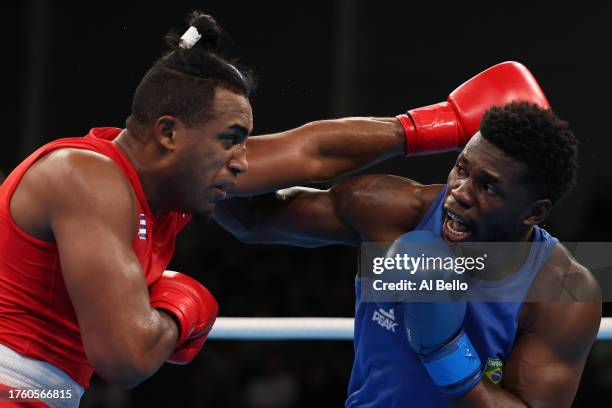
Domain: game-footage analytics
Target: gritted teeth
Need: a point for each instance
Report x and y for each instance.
(457, 218)
(457, 226)
(455, 231)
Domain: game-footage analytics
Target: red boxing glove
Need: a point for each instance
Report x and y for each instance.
(449, 125)
(193, 308)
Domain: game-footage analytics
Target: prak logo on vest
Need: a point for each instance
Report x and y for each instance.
(385, 319)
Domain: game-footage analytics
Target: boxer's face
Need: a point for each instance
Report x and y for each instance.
(487, 198)
(209, 157)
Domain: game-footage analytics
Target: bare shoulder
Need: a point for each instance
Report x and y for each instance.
(564, 309)
(564, 279)
(70, 181)
(381, 207)
(80, 177)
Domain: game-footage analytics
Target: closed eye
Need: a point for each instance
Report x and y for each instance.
(230, 139)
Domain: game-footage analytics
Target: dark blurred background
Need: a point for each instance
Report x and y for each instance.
(70, 66)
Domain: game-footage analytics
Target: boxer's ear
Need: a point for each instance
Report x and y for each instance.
(537, 212)
(165, 131)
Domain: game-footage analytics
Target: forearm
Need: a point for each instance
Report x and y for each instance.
(347, 144)
(141, 354)
(486, 395)
(318, 151)
(256, 220)
(298, 216)
(160, 340)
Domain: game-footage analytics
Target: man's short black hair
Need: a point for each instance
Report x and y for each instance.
(538, 138)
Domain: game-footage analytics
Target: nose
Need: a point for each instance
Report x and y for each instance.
(462, 191)
(238, 163)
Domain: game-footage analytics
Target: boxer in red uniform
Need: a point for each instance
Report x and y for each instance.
(88, 225)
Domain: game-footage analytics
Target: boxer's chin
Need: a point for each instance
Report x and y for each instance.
(205, 211)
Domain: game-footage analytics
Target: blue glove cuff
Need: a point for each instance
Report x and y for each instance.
(455, 367)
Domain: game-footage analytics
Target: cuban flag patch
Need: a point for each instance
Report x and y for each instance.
(142, 227)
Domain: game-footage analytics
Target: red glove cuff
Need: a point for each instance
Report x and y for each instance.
(181, 320)
(432, 129)
(409, 133)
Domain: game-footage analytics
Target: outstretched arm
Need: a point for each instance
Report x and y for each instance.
(296, 216)
(325, 149)
(318, 151)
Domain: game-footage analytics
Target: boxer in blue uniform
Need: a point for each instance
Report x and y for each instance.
(503, 184)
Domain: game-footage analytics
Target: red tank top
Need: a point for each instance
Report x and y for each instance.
(36, 316)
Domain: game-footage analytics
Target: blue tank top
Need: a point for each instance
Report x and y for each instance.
(387, 373)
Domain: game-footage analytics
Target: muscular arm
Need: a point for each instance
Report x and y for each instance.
(364, 208)
(547, 360)
(91, 214)
(318, 151)
(322, 150)
(297, 216)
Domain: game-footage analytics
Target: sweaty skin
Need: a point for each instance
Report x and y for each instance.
(554, 338)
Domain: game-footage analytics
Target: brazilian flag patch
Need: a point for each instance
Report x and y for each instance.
(494, 370)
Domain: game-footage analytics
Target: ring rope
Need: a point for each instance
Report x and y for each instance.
(309, 328)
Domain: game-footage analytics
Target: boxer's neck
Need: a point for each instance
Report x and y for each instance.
(150, 165)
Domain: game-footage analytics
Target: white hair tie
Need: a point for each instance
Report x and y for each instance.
(190, 38)
(237, 71)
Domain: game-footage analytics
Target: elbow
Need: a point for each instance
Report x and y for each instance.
(319, 157)
(123, 382)
(244, 235)
(322, 168)
(124, 372)
(321, 171)
(125, 366)
(247, 237)
(234, 216)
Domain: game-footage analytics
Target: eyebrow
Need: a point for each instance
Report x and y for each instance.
(492, 176)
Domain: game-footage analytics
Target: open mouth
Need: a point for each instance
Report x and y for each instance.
(455, 228)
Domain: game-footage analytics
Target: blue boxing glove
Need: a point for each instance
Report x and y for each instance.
(435, 329)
